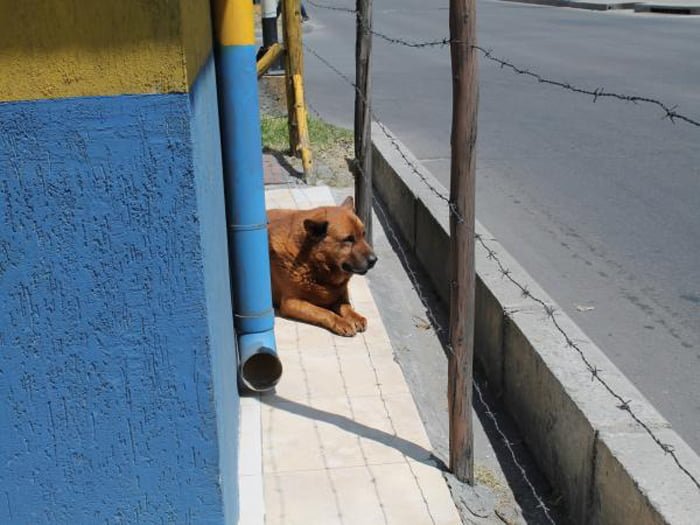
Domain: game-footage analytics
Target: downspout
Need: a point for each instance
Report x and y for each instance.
(249, 263)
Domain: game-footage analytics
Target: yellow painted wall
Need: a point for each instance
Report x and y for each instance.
(70, 48)
(196, 34)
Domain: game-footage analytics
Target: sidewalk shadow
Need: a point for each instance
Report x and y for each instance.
(407, 448)
(284, 163)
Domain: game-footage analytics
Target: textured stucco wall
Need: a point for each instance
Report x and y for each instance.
(210, 196)
(68, 48)
(115, 322)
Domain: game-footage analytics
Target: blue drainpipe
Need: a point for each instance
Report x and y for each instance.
(259, 366)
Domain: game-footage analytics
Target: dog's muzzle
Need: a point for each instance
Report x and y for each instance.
(361, 270)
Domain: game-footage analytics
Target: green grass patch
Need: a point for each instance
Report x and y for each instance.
(323, 136)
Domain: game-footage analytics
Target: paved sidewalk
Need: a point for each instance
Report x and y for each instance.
(341, 440)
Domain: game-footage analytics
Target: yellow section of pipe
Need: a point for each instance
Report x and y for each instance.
(234, 22)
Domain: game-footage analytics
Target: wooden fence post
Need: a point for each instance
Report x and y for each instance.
(462, 186)
(363, 120)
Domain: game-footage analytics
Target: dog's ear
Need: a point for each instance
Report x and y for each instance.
(348, 203)
(317, 229)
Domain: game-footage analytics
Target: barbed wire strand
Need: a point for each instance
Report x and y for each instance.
(439, 329)
(504, 438)
(670, 112)
(624, 405)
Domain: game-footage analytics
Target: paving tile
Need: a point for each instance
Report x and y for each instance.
(327, 424)
(358, 498)
(358, 374)
(406, 419)
(314, 338)
(403, 497)
(286, 333)
(250, 443)
(281, 198)
(436, 494)
(252, 500)
(292, 384)
(290, 442)
(301, 498)
(312, 197)
(385, 437)
(359, 289)
(322, 375)
(390, 377)
(376, 333)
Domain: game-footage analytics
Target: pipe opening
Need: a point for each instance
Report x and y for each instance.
(261, 371)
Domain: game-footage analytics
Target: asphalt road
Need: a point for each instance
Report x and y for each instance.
(600, 202)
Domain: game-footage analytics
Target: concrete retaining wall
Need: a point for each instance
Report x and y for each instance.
(606, 465)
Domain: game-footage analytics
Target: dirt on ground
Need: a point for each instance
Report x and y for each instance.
(332, 160)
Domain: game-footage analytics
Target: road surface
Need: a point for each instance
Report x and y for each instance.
(600, 202)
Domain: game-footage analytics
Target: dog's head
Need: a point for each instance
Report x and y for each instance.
(339, 238)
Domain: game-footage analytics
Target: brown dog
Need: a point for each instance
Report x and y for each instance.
(313, 254)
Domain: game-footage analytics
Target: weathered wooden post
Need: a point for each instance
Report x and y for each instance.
(363, 122)
(462, 185)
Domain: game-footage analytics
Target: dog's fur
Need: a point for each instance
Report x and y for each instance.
(313, 254)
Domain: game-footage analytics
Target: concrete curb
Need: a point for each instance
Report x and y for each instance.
(582, 4)
(606, 466)
(667, 7)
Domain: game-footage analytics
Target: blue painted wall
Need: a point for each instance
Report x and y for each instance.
(116, 341)
(210, 195)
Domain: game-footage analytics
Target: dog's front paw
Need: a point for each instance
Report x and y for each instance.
(344, 327)
(359, 322)
(350, 315)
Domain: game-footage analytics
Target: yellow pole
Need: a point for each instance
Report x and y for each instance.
(296, 109)
(268, 59)
(302, 123)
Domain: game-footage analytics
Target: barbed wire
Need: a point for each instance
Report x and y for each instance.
(418, 288)
(549, 310)
(440, 331)
(412, 43)
(494, 421)
(670, 112)
(403, 257)
(392, 40)
(391, 138)
(595, 372)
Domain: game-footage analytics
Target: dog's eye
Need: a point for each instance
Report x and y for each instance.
(349, 238)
